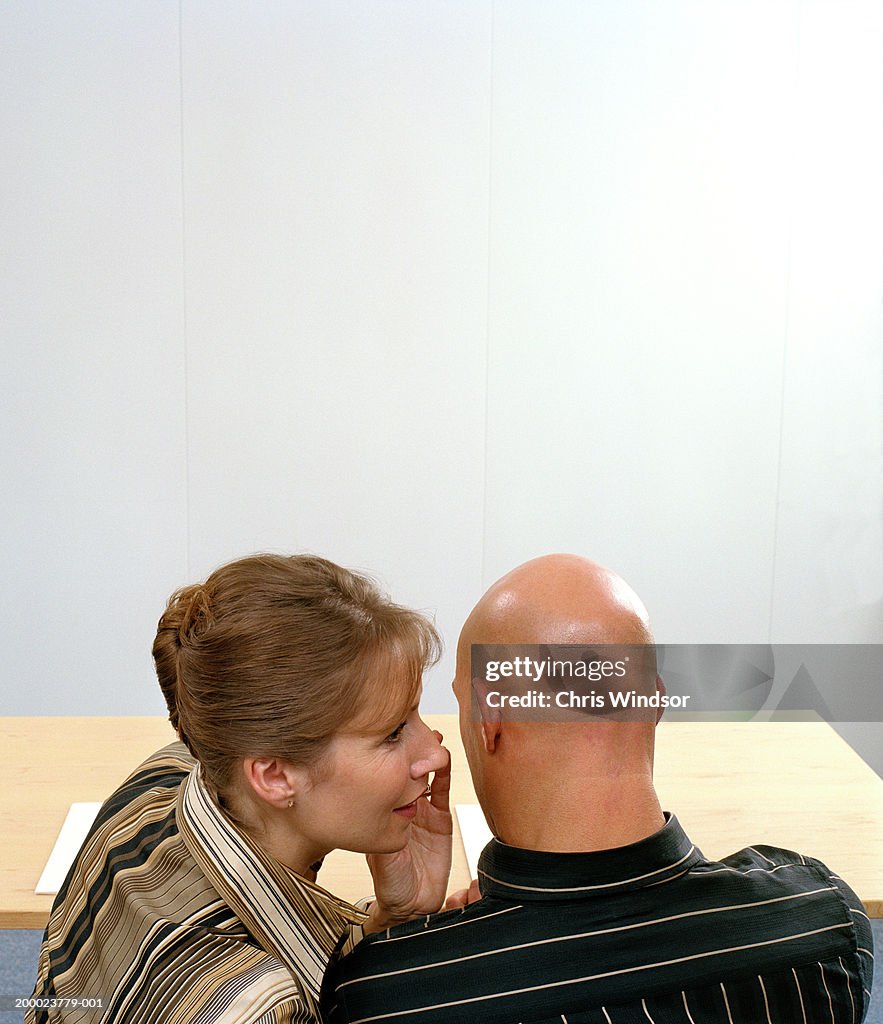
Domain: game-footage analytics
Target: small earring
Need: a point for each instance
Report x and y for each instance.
(290, 804)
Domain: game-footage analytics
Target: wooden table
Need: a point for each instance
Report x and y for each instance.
(794, 784)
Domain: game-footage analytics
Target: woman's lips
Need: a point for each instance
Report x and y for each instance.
(408, 810)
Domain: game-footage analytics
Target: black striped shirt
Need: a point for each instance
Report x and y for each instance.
(651, 932)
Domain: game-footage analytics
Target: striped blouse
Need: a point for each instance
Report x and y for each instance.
(172, 915)
(651, 933)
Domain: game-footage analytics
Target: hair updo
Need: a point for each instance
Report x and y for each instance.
(274, 654)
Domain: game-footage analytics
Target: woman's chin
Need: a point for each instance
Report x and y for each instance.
(392, 845)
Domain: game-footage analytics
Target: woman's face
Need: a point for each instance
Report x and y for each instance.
(363, 794)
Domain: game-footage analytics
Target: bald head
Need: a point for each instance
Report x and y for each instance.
(551, 784)
(558, 599)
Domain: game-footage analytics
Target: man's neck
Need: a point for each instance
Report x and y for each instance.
(569, 821)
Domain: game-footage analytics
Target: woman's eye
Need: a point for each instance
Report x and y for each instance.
(395, 734)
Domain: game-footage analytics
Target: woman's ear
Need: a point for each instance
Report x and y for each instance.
(274, 780)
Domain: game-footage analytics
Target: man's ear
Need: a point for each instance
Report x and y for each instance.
(273, 779)
(491, 719)
(660, 689)
(490, 733)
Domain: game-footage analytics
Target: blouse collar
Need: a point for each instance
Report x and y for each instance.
(290, 917)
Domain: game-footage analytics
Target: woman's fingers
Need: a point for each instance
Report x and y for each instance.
(440, 787)
(463, 897)
(456, 899)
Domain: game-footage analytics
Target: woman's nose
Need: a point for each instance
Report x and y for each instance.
(431, 755)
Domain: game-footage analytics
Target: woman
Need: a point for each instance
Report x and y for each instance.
(294, 686)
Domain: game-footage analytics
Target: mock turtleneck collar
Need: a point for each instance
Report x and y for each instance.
(512, 873)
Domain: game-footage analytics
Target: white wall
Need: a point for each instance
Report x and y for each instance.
(92, 419)
(431, 288)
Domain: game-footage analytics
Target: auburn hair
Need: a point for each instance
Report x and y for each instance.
(272, 655)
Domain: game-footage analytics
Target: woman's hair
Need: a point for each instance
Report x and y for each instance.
(274, 654)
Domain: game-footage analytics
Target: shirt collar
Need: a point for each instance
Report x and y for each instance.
(515, 874)
(297, 921)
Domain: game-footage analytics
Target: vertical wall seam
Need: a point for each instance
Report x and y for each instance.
(487, 333)
(789, 250)
(184, 319)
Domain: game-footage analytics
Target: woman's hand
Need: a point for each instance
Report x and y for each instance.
(463, 897)
(413, 881)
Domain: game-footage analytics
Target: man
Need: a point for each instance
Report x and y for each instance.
(595, 906)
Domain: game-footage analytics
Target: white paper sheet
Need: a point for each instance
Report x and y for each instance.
(76, 825)
(476, 835)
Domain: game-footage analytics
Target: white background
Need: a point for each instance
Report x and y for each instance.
(431, 288)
